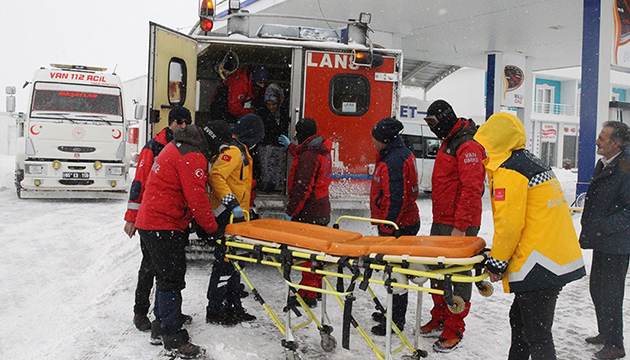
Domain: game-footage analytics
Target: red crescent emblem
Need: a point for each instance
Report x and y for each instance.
(117, 136)
(33, 131)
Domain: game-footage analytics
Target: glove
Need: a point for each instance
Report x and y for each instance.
(238, 212)
(284, 141)
(288, 217)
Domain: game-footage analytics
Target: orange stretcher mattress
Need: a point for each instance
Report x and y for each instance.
(347, 243)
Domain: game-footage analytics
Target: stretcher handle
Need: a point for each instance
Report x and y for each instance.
(358, 218)
(244, 212)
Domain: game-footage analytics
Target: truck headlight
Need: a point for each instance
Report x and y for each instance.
(34, 169)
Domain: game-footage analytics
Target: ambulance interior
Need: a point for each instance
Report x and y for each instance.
(218, 60)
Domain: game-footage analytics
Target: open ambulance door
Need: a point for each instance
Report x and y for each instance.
(172, 75)
(347, 101)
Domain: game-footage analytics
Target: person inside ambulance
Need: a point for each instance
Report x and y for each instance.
(269, 156)
(233, 96)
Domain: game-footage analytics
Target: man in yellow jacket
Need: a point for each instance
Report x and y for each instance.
(535, 249)
(230, 182)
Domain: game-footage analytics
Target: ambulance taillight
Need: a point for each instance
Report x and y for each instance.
(206, 15)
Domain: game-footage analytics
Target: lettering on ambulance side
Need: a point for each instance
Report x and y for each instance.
(332, 61)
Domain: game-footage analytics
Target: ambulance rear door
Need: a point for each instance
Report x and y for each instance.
(347, 101)
(172, 75)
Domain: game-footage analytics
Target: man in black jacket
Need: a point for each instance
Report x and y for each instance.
(606, 230)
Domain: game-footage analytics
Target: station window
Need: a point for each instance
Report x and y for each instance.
(349, 95)
(177, 82)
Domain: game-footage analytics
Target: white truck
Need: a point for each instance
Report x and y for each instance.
(72, 141)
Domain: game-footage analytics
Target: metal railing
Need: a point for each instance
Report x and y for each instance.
(554, 109)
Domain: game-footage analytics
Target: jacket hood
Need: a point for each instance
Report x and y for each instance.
(500, 135)
(315, 143)
(193, 136)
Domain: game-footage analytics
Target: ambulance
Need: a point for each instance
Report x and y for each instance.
(72, 141)
(337, 77)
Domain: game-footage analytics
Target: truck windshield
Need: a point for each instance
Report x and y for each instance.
(77, 99)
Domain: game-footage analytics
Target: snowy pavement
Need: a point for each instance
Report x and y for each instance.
(68, 273)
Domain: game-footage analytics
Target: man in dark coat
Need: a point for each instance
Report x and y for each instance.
(606, 230)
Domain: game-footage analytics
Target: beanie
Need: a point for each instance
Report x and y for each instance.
(445, 116)
(387, 130)
(259, 73)
(274, 93)
(249, 130)
(179, 113)
(217, 133)
(304, 129)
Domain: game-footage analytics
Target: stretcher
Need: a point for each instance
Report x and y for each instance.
(352, 260)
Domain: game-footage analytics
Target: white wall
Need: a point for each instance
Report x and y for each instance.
(464, 90)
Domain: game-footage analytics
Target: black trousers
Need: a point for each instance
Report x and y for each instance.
(400, 301)
(224, 288)
(145, 282)
(531, 319)
(166, 249)
(607, 285)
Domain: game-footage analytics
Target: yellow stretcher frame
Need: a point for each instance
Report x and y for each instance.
(394, 266)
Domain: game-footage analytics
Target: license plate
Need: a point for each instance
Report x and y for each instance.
(76, 175)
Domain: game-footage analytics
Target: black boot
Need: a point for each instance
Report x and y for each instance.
(179, 345)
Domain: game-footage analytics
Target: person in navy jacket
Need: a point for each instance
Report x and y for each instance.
(175, 194)
(393, 196)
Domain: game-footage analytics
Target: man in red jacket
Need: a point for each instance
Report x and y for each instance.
(239, 88)
(457, 186)
(175, 194)
(178, 117)
(393, 196)
(308, 188)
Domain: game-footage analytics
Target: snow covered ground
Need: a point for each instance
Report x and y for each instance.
(68, 273)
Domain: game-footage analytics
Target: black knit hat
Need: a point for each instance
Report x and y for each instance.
(249, 130)
(179, 113)
(387, 130)
(259, 73)
(217, 133)
(304, 129)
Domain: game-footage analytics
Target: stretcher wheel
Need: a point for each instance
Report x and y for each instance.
(397, 278)
(485, 288)
(458, 305)
(328, 343)
(418, 280)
